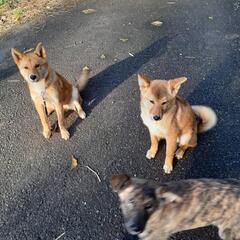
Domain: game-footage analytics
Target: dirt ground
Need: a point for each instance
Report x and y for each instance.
(16, 12)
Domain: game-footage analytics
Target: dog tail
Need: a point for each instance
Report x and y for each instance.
(208, 117)
(83, 78)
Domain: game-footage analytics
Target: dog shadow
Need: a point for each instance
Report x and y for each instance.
(105, 82)
(218, 149)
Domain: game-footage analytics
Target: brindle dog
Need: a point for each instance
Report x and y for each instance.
(156, 211)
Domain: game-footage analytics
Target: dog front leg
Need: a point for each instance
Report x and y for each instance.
(154, 147)
(43, 117)
(170, 150)
(60, 115)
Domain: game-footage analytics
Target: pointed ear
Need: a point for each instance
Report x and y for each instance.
(143, 81)
(40, 51)
(17, 55)
(166, 197)
(174, 85)
(120, 182)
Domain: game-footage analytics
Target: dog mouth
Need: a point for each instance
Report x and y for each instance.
(134, 232)
(34, 81)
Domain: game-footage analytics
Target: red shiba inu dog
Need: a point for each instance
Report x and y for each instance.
(48, 89)
(170, 117)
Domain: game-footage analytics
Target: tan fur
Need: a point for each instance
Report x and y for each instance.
(177, 123)
(49, 88)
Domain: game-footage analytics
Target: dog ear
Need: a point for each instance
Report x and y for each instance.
(40, 50)
(174, 85)
(120, 182)
(17, 55)
(165, 197)
(143, 81)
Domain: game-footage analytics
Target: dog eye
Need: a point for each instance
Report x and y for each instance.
(26, 67)
(148, 206)
(163, 103)
(37, 65)
(151, 101)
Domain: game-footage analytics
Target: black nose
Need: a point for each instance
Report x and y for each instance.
(134, 227)
(156, 117)
(33, 77)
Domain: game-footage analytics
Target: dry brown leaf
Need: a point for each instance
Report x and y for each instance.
(123, 39)
(157, 23)
(74, 163)
(89, 11)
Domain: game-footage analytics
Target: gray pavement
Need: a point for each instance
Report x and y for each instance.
(40, 197)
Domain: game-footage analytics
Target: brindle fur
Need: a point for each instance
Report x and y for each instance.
(177, 206)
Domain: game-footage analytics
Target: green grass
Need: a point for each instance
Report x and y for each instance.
(2, 2)
(18, 13)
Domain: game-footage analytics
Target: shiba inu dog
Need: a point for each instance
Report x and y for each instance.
(155, 211)
(170, 117)
(48, 89)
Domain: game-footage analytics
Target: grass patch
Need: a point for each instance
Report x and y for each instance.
(2, 2)
(18, 13)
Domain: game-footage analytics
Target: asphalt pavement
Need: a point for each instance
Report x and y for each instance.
(40, 197)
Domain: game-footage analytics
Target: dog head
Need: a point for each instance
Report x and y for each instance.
(32, 65)
(139, 200)
(158, 96)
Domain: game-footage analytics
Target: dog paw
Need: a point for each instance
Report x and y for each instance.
(82, 115)
(167, 168)
(179, 154)
(65, 134)
(150, 154)
(47, 133)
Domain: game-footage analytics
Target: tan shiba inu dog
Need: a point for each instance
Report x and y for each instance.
(48, 89)
(170, 117)
(155, 211)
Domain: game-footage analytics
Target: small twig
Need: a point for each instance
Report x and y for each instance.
(94, 173)
(190, 57)
(60, 236)
(91, 101)
(13, 80)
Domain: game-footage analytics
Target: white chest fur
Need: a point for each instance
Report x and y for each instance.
(38, 89)
(155, 127)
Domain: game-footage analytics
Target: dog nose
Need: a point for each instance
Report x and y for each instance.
(134, 227)
(33, 77)
(156, 117)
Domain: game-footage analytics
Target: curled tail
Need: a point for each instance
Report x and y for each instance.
(83, 78)
(208, 117)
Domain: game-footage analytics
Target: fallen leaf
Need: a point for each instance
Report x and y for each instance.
(157, 23)
(89, 11)
(74, 162)
(131, 54)
(123, 39)
(103, 56)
